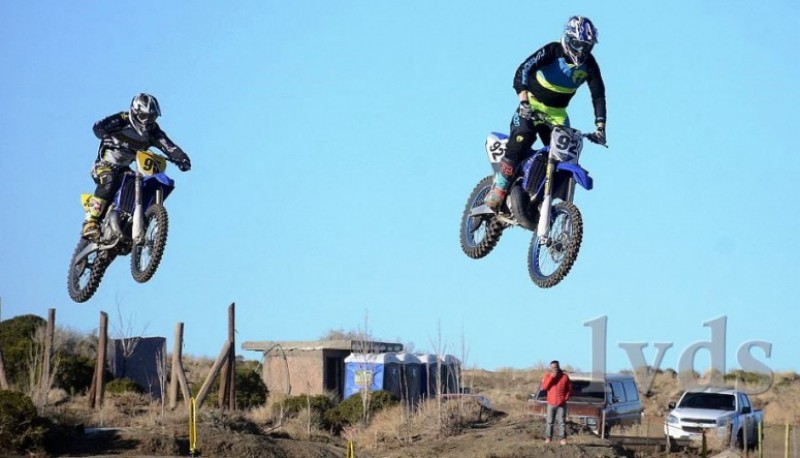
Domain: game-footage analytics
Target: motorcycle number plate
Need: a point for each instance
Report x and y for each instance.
(566, 145)
(150, 163)
(495, 148)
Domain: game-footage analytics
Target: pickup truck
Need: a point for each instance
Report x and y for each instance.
(725, 412)
(610, 397)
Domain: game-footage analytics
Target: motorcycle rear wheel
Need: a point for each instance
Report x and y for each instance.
(146, 258)
(479, 234)
(86, 272)
(550, 263)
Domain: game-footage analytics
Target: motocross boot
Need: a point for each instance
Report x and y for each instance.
(91, 226)
(502, 181)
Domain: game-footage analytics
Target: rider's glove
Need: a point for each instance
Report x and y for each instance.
(599, 135)
(184, 165)
(524, 111)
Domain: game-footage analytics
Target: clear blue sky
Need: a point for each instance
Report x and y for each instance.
(334, 146)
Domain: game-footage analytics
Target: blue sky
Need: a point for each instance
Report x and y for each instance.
(334, 145)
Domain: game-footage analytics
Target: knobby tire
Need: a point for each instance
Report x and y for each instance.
(494, 228)
(158, 214)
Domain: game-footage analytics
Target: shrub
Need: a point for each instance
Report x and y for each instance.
(16, 339)
(74, 374)
(123, 385)
(351, 410)
(745, 376)
(294, 404)
(21, 429)
(250, 389)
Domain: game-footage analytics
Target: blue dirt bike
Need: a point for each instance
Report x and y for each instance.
(135, 223)
(540, 200)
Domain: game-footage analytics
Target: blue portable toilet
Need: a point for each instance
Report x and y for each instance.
(447, 379)
(452, 374)
(373, 371)
(410, 377)
(429, 363)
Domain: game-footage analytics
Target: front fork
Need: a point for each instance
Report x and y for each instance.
(138, 210)
(138, 213)
(543, 228)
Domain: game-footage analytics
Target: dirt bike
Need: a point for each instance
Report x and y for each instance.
(540, 200)
(135, 223)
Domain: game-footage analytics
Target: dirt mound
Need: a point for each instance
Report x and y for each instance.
(211, 442)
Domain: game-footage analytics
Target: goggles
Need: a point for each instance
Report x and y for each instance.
(580, 45)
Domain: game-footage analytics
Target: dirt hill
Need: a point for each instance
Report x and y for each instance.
(456, 429)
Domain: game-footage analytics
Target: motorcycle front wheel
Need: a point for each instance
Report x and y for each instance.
(479, 234)
(86, 270)
(550, 262)
(146, 257)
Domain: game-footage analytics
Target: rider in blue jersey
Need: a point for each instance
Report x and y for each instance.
(545, 83)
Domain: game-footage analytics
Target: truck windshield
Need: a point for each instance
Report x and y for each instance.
(583, 391)
(714, 401)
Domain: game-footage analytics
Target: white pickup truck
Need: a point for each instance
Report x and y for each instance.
(725, 412)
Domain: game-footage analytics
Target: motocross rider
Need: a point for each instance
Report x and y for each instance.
(122, 135)
(545, 83)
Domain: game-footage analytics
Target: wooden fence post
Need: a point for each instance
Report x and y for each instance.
(201, 395)
(227, 382)
(177, 350)
(100, 367)
(232, 338)
(187, 395)
(3, 378)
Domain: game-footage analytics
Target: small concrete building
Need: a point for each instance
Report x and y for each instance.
(311, 367)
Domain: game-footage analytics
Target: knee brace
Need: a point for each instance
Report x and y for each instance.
(106, 180)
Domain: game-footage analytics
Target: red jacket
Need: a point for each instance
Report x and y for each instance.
(559, 388)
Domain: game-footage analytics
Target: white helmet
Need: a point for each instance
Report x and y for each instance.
(144, 111)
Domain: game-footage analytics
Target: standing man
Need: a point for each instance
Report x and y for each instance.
(559, 390)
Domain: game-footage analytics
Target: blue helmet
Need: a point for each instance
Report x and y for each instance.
(580, 36)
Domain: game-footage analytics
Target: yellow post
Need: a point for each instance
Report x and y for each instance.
(786, 442)
(760, 439)
(351, 450)
(192, 428)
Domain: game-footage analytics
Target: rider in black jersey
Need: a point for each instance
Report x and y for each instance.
(545, 83)
(122, 135)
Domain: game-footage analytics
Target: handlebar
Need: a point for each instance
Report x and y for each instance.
(538, 116)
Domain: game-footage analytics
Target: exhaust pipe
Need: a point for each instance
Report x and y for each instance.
(113, 222)
(519, 202)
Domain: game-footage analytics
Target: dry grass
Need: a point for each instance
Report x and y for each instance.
(508, 389)
(400, 425)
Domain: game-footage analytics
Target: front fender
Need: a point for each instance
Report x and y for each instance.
(580, 174)
(153, 182)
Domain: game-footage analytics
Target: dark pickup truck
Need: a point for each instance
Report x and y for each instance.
(610, 398)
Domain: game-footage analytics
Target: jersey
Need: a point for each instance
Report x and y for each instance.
(119, 141)
(552, 79)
